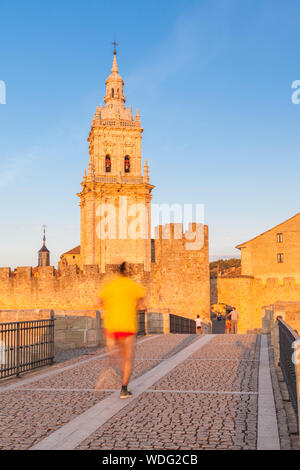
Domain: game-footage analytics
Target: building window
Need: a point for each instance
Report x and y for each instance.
(112, 93)
(107, 164)
(280, 258)
(127, 164)
(279, 237)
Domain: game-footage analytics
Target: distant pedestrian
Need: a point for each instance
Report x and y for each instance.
(198, 325)
(121, 299)
(228, 322)
(234, 321)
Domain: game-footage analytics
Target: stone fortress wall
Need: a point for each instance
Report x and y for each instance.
(178, 281)
(250, 296)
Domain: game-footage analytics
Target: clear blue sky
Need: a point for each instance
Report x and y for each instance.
(212, 80)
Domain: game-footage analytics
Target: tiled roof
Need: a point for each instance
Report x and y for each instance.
(276, 227)
(74, 251)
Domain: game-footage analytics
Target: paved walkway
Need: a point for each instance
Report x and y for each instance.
(190, 392)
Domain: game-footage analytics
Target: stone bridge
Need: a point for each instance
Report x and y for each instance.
(189, 392)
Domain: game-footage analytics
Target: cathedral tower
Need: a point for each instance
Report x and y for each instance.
(115, 199)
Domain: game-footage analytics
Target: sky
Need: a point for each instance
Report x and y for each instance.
(212, 80)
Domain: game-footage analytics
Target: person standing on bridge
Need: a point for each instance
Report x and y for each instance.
(198, 325)
(234, 320)
(228, 322)
(121, 299)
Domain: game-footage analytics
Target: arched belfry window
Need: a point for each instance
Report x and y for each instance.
(112, 92)
(127, 164)
(107, 164)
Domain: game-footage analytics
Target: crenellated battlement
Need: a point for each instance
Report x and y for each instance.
(5, 273)
(172, 237)
(69, 271)
(269, 283)
(173, 231)
(44, 272)
(68, 288)
(278, 283)
(23, 272)
(170, 284)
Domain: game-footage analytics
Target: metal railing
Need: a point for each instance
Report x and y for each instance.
(182, 325)
(287, 336)
(25, 345)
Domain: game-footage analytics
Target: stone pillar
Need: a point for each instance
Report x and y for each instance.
(82, 234)
(275, 341)
(166, 320)
(147, 260)
(90, 230)
(146, 323)
(99, 333)
(267, 315)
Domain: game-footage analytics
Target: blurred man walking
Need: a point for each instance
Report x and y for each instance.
(121, 299)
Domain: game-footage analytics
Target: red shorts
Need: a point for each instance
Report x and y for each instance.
(119, 334)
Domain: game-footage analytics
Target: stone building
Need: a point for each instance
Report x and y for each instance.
(115, 203)
(270, 273)
(70, 258)
(275, 253)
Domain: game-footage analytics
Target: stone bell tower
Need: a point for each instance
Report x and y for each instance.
(115, 199)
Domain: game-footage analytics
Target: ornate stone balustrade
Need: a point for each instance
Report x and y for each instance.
(120, 179)
(118, 123)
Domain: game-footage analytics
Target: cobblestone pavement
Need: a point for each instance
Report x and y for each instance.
(27, 416)
(31, 412)
(180, 421)
(209, 401)
(171, 416)
(84, 376)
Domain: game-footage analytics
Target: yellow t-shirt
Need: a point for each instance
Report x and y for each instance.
(120, 298)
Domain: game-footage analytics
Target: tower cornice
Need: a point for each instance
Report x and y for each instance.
(119, 128)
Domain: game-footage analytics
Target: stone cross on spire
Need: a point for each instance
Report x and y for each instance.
(115, 44)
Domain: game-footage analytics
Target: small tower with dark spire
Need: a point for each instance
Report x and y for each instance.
(44, 253)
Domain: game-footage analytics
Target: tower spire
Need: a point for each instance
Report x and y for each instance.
(115, 44)
(114, 83)
(115, 65)
(44, 253)
(44, 237)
